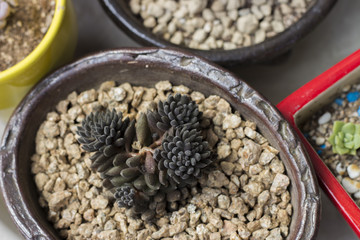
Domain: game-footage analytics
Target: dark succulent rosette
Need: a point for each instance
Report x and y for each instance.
(106, 134)
(183, 154)
(124, 196)
(175, 111)
(128, 197)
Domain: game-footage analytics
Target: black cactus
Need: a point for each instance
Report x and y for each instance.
(183, 155)
(107, 134)
(175, 111)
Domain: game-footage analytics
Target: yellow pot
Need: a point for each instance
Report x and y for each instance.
(56, 48)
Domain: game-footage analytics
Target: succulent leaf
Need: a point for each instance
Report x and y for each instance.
(152, 181)
(134, 161)
(143, 132)
(150, 164)
(345, 138)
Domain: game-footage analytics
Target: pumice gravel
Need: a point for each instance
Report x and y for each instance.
(242, 194)
(218, 24)
(23, 24)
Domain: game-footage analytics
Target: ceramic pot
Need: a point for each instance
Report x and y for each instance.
(56, 48)
(120, 13)
(145, 67)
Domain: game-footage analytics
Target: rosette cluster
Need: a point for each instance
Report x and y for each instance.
(171, 156)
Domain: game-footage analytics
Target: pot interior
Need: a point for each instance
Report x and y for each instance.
(91, 72)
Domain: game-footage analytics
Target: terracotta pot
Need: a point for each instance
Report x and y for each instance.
(145, 67)
(307, 100)
(120, 13)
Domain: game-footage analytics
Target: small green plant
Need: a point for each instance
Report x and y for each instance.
(168, 157)
(345, 138)
(6, 8)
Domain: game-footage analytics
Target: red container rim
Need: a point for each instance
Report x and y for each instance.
(294, 103)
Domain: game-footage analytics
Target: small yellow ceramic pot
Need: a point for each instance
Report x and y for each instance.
(56, 48)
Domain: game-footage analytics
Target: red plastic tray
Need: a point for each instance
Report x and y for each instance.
(305, 101)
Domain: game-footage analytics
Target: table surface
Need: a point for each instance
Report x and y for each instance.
(334, 39)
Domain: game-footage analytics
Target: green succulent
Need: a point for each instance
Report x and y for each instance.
(345, 138)
(172, 155)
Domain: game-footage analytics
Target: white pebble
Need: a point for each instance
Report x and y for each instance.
(118, 94)
(259, 36)
(353, 171)
(266, 9)
(231, 121)
(351, 186)
(255, 10)
(320, 141)
(258, 2)
(177, 38)
(196, 6)
(200, 35)
(324, 118)
(234, 4)
(357, 195)
(4, 10)
(277, 26)
(298, 3)
(346, 88)
(155, 10)
(340, 169)
(247, 24)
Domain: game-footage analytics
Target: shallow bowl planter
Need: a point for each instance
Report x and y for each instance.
(305, 102)
(56, 48)
(266, 51)
(146, 67)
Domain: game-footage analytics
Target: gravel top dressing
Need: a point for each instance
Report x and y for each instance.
(218, 24)
(231, 185)
(335, 134)
(23, 28)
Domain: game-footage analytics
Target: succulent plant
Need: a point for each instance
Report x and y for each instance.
(128, 197)
(175, 111)
(125, 196)
(345, 138)
(158, 173)
(107, 134)
(183, 155)
(6, 7)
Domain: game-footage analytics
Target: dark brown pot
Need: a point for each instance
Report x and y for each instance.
(120, 13)
(145, 67)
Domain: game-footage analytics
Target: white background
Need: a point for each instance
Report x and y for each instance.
(334, 39)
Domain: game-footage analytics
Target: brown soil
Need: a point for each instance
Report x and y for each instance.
(24, 30)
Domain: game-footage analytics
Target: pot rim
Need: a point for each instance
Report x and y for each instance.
(236, 89)
(281, 42)
(8, 74)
